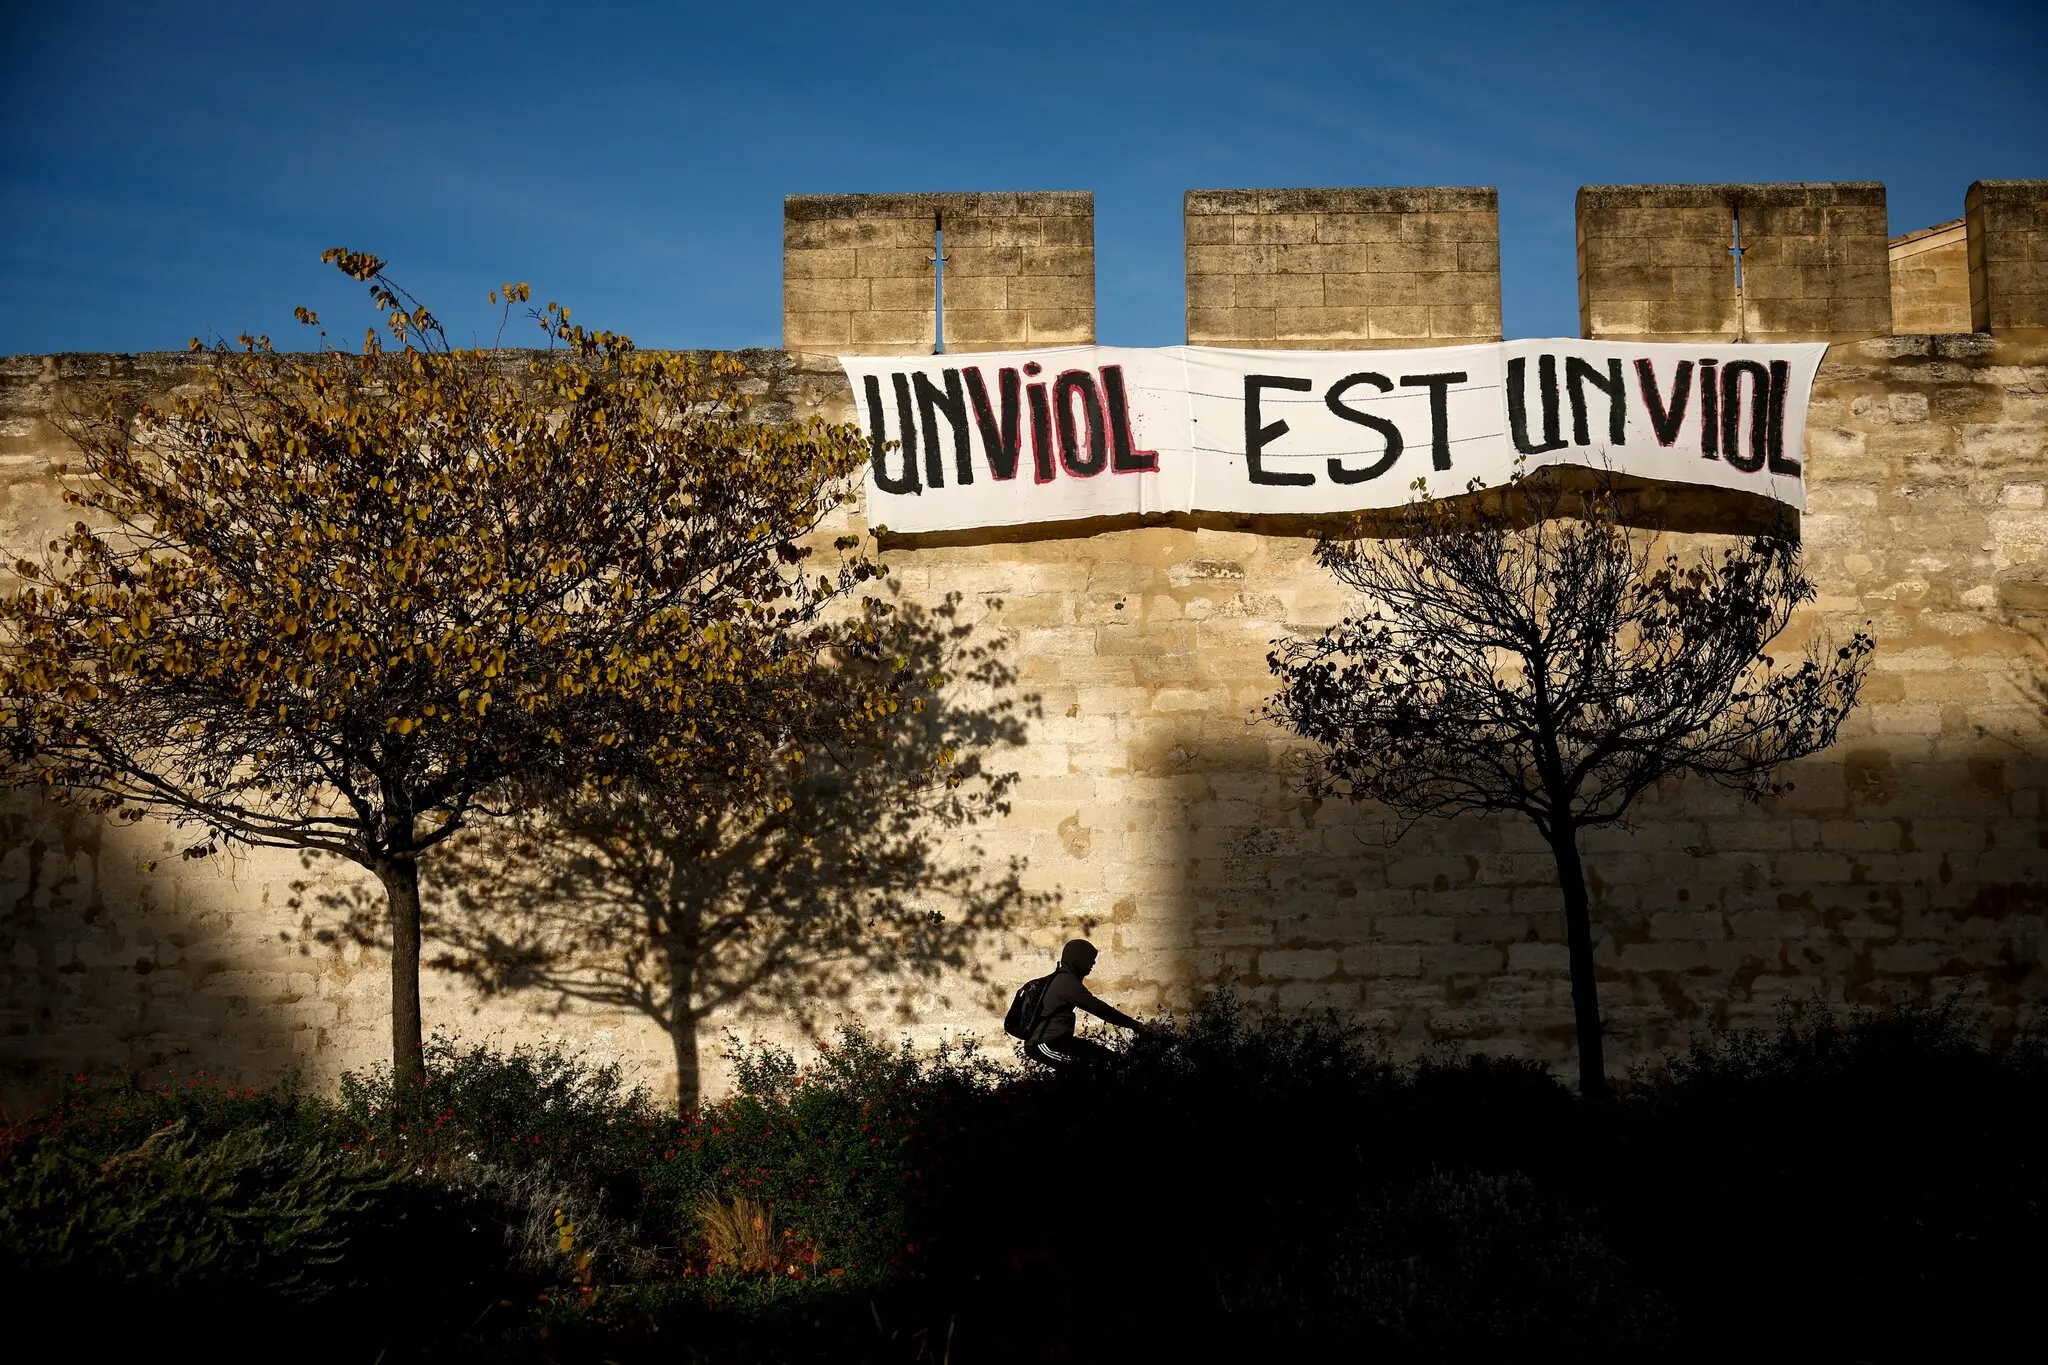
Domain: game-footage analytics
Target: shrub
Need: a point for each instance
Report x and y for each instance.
(105, 1115)
(256, 1201)
(831, 1149)
(1484, 1267)
(1886, 1162)
(527, 1107)
(253, 1211)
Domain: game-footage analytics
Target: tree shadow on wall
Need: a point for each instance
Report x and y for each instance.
(1886, 876)
(680, 907)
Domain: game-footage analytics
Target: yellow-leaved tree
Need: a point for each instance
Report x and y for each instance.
(353, 603)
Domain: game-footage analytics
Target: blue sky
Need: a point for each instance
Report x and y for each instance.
(172, 169)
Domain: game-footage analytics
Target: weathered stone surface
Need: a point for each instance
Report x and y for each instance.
(2008, 245)
(1931, 280)
(1343, 268)
(858, 271)
(1656, 261)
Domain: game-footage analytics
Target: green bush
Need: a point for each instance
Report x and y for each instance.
(526, 1108)
(106, 1115)
(832, 1148)
(199, 1196)
(252, 1211)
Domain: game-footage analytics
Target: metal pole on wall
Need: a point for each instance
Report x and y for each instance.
(938, 264)
(1735, 250)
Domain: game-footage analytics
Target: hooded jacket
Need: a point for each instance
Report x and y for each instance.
(1066, 993)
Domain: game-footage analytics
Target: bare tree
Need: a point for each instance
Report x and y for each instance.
(1532, 653)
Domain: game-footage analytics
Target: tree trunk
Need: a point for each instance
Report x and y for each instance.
(401, 878)
(682, 1025)
(1578, 927)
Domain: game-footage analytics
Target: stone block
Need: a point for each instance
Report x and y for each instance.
(977, 294)
(1767, 924)
(840, 295)
(1227, 259)
(1274, 228)
(1703, 318)
(1407, 258)
(978, 328)
(1355, 228)
(1539, 957)
(819, 264)
(1451, 226)
(912, 294)
(1480, 258)
(876, 263)
(1794, 317)
(888, 332)
(1280, 291)
(965, 233)
(1378, 959)
(966, 263)
(1399, 324)
(1067, 230)
(1206, 292)
(1688, 925)
(817, 331)
(1465, 322)
(1663, 957)
(1278, 964)
(1381, 290)
(1298, 997)
(1062, 326)
(1036, 293)
(815, 234)
(1315, 328)
(1210, 230)
(1462, 960)
(1229, 326)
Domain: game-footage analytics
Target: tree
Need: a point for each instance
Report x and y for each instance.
(355, 604)
(1533, 654)
(677, 903)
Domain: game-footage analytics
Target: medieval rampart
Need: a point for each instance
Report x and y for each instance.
(1910, 860)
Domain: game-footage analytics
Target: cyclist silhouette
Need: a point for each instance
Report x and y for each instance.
(1053, 1041)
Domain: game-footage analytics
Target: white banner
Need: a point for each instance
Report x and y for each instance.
(1011, 438)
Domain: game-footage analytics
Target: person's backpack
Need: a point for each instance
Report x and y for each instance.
(1023, 1019)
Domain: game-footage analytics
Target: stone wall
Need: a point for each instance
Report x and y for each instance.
(1931, 280)
(1155, 814)
(2008, 231)
(857, 271)
(1281, 269)
(1656, 262)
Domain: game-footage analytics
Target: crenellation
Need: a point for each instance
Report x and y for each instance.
(1342, 268)
(1020, 271)
(1659, 262)
(2007, 227)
